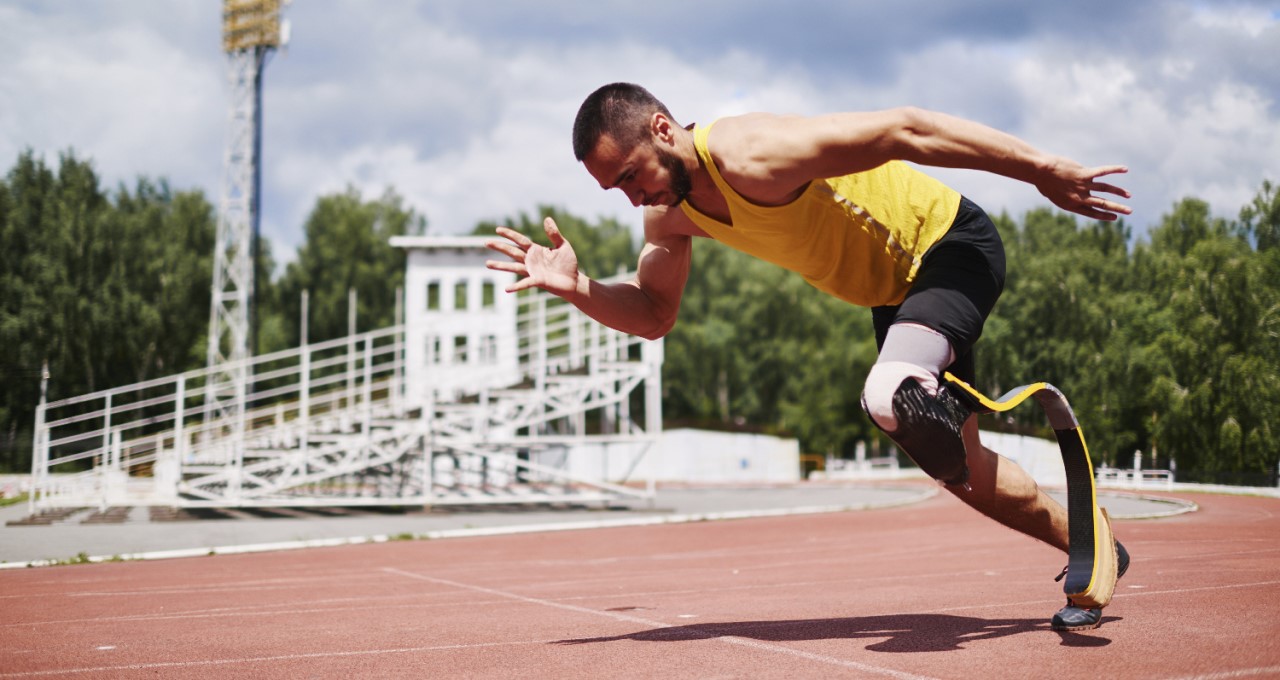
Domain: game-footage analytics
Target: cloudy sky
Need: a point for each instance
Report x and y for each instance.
(465, 107)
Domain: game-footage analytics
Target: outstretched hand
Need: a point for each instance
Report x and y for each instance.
(1072, 187)
(553, 269)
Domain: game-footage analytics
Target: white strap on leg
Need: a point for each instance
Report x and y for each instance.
(883, 382)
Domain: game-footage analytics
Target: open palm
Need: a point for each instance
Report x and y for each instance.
(553, 269)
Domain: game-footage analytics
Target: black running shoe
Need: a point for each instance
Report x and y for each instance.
(1073, 618)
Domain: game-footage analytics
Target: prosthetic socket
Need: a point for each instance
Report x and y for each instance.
(928, 430)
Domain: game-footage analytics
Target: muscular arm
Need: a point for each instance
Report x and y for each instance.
(769, 156)
(646, 306)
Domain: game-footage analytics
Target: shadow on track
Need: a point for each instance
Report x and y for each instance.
(902, 633)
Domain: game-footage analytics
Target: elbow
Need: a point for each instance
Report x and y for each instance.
(911, 128)
(913, 120)
(659, 332)
(663, 325)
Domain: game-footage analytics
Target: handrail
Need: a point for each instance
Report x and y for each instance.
(351, 384)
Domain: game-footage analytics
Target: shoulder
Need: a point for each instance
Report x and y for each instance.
(761, 154)
(738, 140)
(662, 223)
(771, 157)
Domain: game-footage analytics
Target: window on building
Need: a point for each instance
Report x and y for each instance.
(460, 349)
(434, 349)
(490, 295)
(460, 295)
(488, 349)
(433, 296)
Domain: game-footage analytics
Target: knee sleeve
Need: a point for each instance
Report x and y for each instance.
(883, 382)
(927, 424)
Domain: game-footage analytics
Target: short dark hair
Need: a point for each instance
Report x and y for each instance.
(620, 110)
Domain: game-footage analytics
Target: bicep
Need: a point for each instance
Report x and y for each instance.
(664, 262)
(788, 151)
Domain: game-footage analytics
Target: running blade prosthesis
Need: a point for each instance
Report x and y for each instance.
(1092, 561)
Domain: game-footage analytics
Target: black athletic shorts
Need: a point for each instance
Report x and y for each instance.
(956, 287)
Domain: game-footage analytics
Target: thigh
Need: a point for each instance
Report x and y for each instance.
(955, 290)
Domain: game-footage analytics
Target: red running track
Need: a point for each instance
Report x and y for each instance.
(930, 590)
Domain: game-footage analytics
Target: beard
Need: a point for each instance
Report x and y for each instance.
(681, 183)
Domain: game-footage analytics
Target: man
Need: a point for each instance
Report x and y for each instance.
(831, 198)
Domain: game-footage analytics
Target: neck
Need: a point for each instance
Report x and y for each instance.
(704, 196)
(687, 151)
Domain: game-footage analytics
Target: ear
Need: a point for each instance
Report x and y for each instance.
(662, 128)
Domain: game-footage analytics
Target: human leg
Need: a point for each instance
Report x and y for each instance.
(992, 484)
(934, 330)
(903, 399)
(1003, 491)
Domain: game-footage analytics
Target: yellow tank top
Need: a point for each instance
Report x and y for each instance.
(859, 237)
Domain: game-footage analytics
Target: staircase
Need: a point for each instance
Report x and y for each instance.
(337, 423)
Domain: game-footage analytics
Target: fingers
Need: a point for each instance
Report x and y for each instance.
(516, 268)
(515, 236)
(1092, 174)
(553, 232)
(507, 249)
(1115, 207)
(522, 284)
(1109, 188)
(1107, 170)
(1101, 209)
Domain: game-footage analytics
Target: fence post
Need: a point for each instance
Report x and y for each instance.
(397, 382)
(652, 355)
(351, 348)
(368, 388)
(304, 401)
(180, 421)
(541, 366)
(40, 456)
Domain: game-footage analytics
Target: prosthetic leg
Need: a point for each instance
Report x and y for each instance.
(1093, 562)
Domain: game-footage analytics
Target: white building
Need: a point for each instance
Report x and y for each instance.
(460, 324)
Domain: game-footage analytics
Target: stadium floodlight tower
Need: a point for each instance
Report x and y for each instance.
(251, 29)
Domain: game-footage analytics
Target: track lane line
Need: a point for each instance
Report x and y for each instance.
(710, 635)
(260, 659)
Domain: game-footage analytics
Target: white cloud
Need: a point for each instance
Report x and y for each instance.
(124, 96)
(1252, 21)
(469, 118)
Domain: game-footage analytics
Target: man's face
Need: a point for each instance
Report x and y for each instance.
(647, 173)
(679, 182)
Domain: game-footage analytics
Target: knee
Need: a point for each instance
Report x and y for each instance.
(883, 382)
(904, 400)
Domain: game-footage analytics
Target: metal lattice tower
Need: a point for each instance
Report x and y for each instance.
(251, 30)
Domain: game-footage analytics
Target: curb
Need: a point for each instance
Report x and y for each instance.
(926, 493)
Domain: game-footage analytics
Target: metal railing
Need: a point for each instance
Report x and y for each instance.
(91, 445)
(328, 412)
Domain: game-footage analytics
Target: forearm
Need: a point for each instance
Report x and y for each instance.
(941, 140)
(947, 141)
(621, 306)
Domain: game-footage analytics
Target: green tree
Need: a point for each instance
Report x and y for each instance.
(1260, 219)
(1216, 392)
(347, 247)
(107, 290)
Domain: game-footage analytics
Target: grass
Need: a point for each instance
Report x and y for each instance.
(20, 498)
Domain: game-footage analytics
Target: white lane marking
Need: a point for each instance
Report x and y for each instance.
(260, 659)
(709, 633)
(1169, 591)
(1226, 675)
